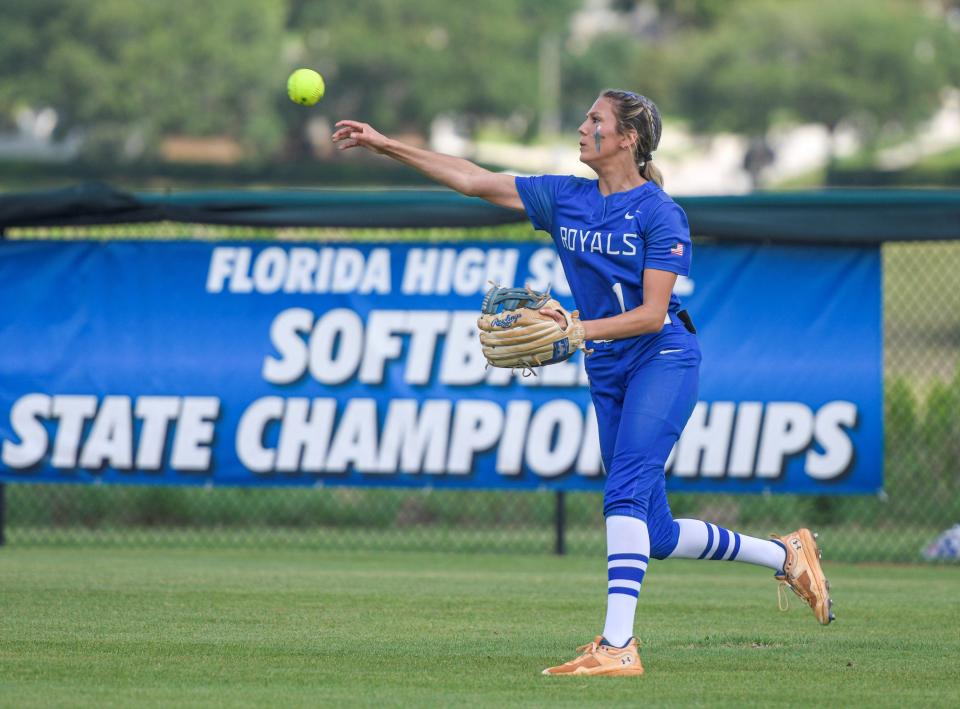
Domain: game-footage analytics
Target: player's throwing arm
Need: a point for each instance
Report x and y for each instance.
(456, 173)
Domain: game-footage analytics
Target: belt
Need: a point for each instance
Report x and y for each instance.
(684, 317)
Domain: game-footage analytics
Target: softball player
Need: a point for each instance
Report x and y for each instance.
(623, 242)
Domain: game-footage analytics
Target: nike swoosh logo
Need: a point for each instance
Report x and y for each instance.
(629, 216)
(670, 351)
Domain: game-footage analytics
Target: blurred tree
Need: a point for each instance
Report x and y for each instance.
(400, 63)
(127, 73)
(634, 56)
(877, 64)
(22, 32)
(607, 62)
(734, 77)
(673, 15)
(639, 54)
(871, 63)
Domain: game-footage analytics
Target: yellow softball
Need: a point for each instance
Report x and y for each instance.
(305, 86)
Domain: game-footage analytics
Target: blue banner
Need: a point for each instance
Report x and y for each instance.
(359, 364)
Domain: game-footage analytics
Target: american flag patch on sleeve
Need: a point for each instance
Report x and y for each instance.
(677, 250)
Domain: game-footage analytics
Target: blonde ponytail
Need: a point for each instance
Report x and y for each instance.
(652, 172)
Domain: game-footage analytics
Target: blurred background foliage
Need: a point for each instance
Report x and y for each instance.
(126, 73)
(138, 84)
(879, 64)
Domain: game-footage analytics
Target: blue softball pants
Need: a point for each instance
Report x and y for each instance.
(644, 390)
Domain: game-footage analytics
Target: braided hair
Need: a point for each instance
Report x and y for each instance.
(640, 114)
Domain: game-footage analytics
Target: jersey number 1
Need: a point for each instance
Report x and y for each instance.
(618, 291)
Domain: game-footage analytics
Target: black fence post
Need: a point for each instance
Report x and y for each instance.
(561, 522)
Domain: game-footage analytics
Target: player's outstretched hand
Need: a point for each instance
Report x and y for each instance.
(353, 134)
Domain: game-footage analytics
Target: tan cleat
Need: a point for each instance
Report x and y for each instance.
(597, 659)
(802, 573)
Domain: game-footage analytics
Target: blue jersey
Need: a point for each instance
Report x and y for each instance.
(605, 243)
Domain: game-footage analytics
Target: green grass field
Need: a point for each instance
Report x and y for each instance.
(97, 627)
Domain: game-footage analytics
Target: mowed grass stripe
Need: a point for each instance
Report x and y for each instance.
(83, 627)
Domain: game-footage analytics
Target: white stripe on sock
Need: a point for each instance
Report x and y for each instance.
(730, 546)
(624, 583)
(716, 540)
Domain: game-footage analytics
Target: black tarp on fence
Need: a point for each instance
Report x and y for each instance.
(839, 216)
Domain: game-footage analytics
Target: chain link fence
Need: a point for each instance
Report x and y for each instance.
(920, 501)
